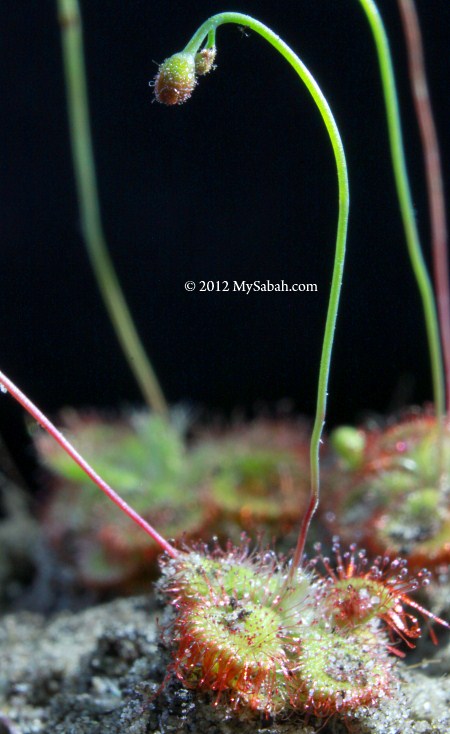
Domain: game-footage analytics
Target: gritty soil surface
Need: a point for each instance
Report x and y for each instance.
(103, 671)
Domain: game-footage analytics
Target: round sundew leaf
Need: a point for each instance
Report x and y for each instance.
(257, 475)
(418, 527)
(199, 578)
(351, 602)
(235, 648)
(340, 672)
(254, 478)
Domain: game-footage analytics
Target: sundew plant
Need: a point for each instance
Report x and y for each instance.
(311, 636)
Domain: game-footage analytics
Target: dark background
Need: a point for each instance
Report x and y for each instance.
(239, 183)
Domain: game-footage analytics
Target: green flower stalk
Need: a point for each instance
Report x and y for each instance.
(171, 85)
(87, 190)
(433, 171)
(405, 202)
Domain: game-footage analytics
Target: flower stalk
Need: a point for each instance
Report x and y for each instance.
(405, 201)
(88, 201)
(206, 35)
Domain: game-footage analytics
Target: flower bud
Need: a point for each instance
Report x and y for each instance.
(204, 60)
(175, 80)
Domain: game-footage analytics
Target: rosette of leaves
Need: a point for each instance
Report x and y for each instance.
(252, 477)
(257, 476)
(389, 489)
(146, 459)
(316, 641)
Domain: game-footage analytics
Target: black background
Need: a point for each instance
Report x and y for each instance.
(239, 183)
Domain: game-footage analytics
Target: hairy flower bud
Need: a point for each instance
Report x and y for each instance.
(204, 60)
(176, 79)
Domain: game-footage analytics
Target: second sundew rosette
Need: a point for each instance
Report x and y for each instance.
(388, 490)
(256, 475)
(147, 460)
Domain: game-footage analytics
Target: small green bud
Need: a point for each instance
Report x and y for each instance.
(176, 79)
(204, 60)
(349, 443)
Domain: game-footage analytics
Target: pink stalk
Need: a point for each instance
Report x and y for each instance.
(433, 174)
(300, 547)
(26, 403)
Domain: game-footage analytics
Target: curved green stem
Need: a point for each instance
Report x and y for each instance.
(88, 201)
(207, 30)
(405, 201)
(434, 177)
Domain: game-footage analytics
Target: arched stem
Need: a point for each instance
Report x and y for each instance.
(88, 201)
(33, 410)
(207, 31)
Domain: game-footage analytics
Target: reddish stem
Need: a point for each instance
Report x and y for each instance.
(433, 169)
(306, 522)
(73, 453)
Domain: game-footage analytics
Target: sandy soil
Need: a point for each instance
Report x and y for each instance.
(103, 671)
